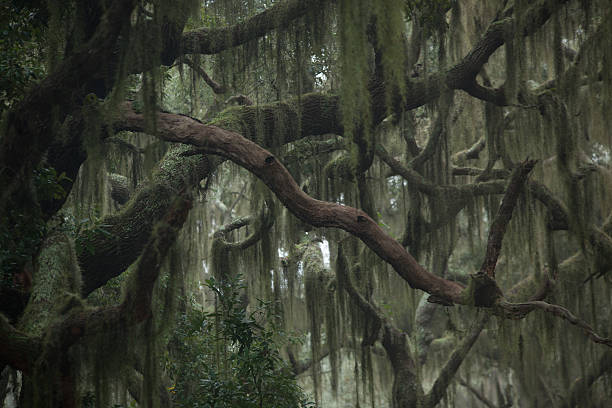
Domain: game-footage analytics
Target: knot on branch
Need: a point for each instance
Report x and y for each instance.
(482, 291)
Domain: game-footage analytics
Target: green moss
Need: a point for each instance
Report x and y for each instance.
(57, 276)
(390, 30)
(341, 167)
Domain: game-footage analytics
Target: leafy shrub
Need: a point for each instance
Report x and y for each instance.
(230, 358)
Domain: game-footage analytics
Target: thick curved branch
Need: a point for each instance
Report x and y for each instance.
(136, 306)
(318, 213)
(263, 164)
(105, 252)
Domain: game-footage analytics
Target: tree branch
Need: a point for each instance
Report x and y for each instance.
(263, 224)
(504, 214)
(215, 40)
(234, 225)
(29, 128)
(450, 192)
(136, 306)
(470, 153)
(264, 165)
(105, 252)
(215, 86)
(519, 310)
(438, 390)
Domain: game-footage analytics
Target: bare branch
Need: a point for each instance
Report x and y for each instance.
(519, 310)
(438, 390)
(504, 214)
(262, 224)
(416, 180)
(470, 153)
(234, 225)
(215, 86)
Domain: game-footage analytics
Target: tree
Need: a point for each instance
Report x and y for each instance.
(411, 130)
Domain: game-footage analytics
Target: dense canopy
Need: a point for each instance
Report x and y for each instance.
(297, 203)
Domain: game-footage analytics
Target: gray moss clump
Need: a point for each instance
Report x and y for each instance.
(57, 276)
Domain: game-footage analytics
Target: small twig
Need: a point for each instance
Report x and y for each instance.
(262, 224)
(470, 153)
(234, 225)
(520, 310)
(214, 85)
(237, 200)
(345, 281)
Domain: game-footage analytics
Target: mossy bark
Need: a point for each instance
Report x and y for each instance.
(406, 391)
(105, 252)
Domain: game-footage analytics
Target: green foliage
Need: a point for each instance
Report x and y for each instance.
(231, 358)
(48, 183)
(20, 237)
(88, 228)
(19, 60)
